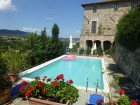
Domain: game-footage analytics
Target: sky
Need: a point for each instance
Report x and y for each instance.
(35, 15)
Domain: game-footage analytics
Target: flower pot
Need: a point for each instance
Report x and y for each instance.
(111, 103)
(35, 101)
(5, 96)
(14, 77)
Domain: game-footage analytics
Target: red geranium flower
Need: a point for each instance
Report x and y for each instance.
(49, 79)
(21, 89)
(100, 101)
(55, 83)
(24, 83)
(37, 78)
(122, 91)
(39, 84)
(134, 102)
(60, 76)
(27, 94)
(45, 77)
(31, 88)
(44, 91)
(70, 81)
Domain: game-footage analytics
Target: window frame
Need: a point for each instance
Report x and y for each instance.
(116, 7)
(134, 4)
(94, 8)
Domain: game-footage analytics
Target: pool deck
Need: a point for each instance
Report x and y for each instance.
(83, 94)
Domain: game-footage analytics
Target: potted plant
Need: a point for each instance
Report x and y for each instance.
(50, 91)
(5, 89)
(15, 62)
(5, 83)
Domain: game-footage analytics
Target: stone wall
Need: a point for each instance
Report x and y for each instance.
(106, 17)
(129, 62)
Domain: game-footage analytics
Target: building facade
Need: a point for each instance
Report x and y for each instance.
(100, 20)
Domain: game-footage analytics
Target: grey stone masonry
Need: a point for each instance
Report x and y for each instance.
(106, 18)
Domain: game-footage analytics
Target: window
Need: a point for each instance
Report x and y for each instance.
(94, 8)
(93, 29)
(116, 7)
(133, 4)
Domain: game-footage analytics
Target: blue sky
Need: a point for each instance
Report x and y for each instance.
(32, 15)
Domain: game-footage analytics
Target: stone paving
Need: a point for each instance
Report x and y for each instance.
(83, 95)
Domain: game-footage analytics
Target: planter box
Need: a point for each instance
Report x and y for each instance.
(35, 101)
(5, 96)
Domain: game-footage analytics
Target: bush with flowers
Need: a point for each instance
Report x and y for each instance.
(57, 90)
(124, 99)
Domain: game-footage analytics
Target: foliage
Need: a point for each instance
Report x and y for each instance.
(5, 82)
(123, 100)
(15, 60)
(94, 52)
(55, 32)
(3, 67)
(75, 47)
(56, 89)
(81, 51)
(88, 51)
(128, 31)
(100, 50)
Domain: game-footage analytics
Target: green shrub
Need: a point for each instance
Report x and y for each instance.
(100, 50)
(88, 51)
(128, 31)
(123, 100)
(81, 51)
(94, 52)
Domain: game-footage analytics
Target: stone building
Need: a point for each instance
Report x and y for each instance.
(100, 19)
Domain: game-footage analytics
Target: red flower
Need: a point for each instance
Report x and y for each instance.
(67, 81)
(8, 78)
(70, 81)
(100, 101)
(49, 79)
(60, 76)
(39, 84)
(134, 102)
(122, 91)
(21, 89)
(55, 83)
(37, 78)
(27, 94)
(24, 83)
(44, 91)
(45, 77)
(31, 88)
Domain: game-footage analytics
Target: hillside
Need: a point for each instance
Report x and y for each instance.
(6, 32)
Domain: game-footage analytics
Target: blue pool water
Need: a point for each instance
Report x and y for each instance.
(78, 70)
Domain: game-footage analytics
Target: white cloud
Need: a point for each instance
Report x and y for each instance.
(6, 5)
(27, 29)
(49, 18)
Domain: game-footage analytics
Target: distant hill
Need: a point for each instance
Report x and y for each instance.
(6, 32)
(68, 39)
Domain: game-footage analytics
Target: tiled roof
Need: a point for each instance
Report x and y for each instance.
(105, 2)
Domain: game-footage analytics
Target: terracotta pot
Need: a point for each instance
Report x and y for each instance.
(35, 101)
(111, 103)
(5, 96)
(14, 77)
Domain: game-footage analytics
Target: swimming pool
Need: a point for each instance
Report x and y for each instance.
(78, 70)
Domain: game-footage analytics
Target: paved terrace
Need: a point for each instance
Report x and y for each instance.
(83, 95)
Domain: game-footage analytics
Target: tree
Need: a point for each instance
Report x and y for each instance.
(128, 31)
(55, 33)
